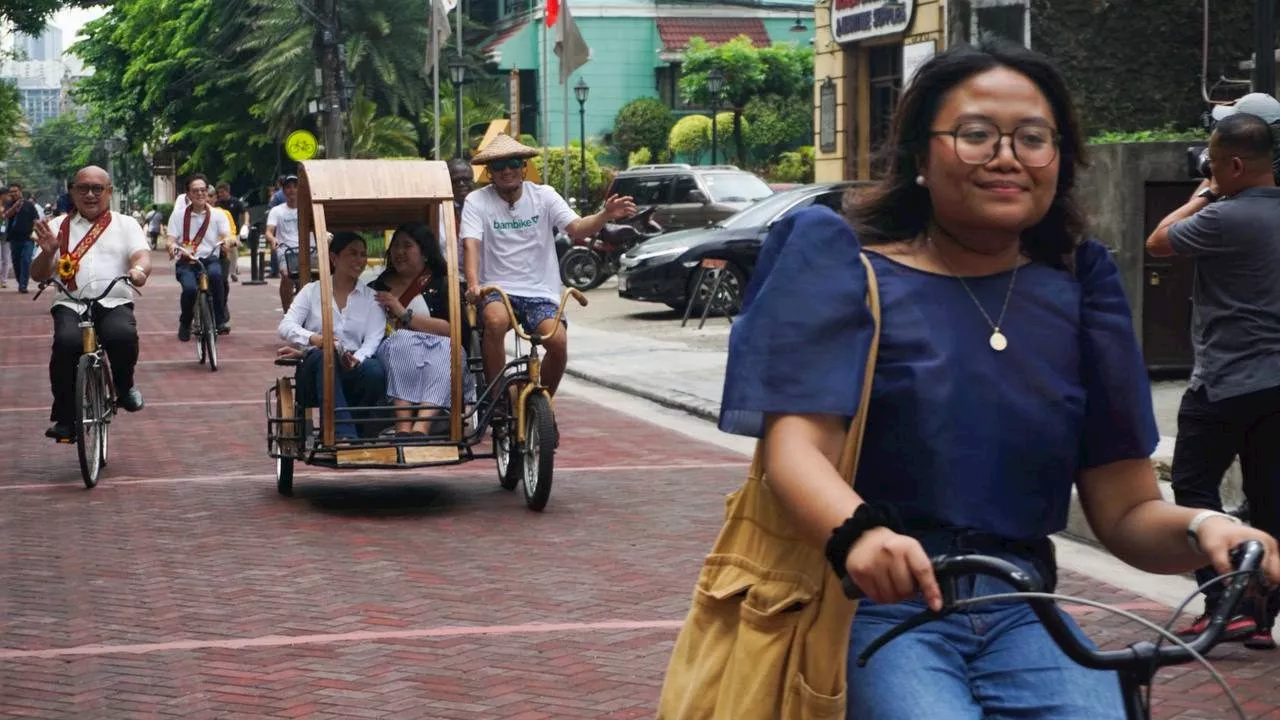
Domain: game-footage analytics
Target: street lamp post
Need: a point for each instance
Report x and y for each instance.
(715, 85)
(113, 146)
(458, 76)
(580, 91)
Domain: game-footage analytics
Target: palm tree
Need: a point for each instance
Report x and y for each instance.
(374, 137)
(482, 104)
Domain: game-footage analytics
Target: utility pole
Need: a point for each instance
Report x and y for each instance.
(330, 73)
(1264, 43)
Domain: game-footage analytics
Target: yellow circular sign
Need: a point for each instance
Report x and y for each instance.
(300, 145)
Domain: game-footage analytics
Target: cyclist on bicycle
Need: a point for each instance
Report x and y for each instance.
(90, 247)
(506, 230)
(282, 238)
(1008, 372)
(200, 234)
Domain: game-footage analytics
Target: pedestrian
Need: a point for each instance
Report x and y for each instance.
(21, 216)
(1231, 406)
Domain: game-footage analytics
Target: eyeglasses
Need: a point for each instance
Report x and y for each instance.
(508, 164)
(87, 189)
(978, 143)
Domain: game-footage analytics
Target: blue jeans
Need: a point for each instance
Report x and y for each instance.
(20, 251)
(992, 662)
(186, 274)
(365, 383)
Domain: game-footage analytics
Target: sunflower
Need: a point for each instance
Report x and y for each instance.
(67, 268)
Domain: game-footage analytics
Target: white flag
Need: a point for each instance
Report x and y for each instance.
(570, 47)
(439, 29)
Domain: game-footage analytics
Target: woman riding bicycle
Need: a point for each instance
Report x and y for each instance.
(358, 325)
(414, 292)
(1008, 371)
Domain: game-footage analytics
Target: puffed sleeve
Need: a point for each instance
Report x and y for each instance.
(800, 344)
(1120, 423)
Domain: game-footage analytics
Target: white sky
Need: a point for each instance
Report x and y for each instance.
(72, 19)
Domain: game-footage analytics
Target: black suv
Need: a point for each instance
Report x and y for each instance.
(688, 196)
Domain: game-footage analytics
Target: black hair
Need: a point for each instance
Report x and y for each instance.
(341, 240)
(1247, 136)
(197, 176)
(421, 234)
(899, 209)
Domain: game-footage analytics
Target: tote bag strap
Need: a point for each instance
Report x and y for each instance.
(853, 441)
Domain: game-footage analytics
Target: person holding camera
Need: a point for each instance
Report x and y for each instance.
(1232, 403)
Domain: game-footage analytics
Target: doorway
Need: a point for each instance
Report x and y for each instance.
(1166, 288)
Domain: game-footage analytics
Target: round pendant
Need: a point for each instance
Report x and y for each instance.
(998, 341)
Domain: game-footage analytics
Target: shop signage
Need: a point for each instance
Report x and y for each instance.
(854, 20)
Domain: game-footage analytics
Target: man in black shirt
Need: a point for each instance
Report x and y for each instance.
(21, 218)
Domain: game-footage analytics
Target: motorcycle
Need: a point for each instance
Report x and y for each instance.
(588, 263)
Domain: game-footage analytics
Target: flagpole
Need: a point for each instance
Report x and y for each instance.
(546, 109)
(564, 90)
(435, 76)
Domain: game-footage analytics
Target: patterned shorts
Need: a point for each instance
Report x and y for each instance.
(530, 311)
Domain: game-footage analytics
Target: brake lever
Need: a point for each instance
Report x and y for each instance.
(40, 291)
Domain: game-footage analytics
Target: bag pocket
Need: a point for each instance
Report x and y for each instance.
(805, 703)
(762, 612)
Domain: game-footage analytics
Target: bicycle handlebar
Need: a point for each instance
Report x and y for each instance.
(515, 321)
(87, 301)
(1246, 557)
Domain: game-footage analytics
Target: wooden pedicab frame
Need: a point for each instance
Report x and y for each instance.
(369, 195)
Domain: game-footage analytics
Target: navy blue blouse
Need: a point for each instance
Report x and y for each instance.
(957, 433)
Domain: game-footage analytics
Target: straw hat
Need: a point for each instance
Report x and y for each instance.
(502, 147)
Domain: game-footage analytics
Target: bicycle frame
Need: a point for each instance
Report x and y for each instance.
(532, 358)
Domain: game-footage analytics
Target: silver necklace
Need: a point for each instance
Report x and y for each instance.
(997, 341)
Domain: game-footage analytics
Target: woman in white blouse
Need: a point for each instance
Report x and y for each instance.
(358, 327)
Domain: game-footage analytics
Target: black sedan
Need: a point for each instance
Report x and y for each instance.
(665, 269)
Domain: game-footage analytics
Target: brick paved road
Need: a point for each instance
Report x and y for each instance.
(184, 586)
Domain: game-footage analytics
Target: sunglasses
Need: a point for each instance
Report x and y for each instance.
(508, 164)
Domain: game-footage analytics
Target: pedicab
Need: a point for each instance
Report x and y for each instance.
(370, 196)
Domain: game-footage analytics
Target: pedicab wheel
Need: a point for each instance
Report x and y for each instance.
(539, 451)
(89, 420)
(284, 475)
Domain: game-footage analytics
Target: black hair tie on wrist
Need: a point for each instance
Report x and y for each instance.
(864, 518)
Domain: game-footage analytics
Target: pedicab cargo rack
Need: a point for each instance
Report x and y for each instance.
(375, 196)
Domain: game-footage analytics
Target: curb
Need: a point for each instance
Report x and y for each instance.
(697, 409)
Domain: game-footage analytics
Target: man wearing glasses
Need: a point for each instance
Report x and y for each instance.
(506, 231)
(200, 233)
(89, 248)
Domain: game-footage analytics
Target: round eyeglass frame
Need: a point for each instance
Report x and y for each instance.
(954, 134)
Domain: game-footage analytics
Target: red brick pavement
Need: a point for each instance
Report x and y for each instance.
(184, 586)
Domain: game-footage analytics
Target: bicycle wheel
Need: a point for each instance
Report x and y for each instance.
(89, 419)
(504, 444)
(208, 332)
(539, 451)
(108, 410)
(197, 329)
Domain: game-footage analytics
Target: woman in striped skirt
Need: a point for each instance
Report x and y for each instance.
(416, 352)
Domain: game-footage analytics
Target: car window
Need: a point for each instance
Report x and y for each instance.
(651, 189)
(735, 187)
(764, 212)
(680, 189)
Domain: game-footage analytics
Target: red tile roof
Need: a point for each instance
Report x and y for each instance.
(502, 36)
(676, 32)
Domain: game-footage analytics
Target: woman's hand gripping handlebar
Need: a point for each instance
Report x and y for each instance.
(534, 338)
(1246, 558)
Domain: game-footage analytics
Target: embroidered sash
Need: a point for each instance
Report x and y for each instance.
(69, 262)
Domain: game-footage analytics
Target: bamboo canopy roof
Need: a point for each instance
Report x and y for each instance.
(364, 195)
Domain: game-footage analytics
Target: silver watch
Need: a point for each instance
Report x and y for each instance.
(406, 317)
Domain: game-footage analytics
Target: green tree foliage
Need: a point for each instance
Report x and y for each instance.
(777, 123)
(691, 135)
(784, 70)
(794, 167)
(642, 124)
(10, 118)
(30, 16)
(551, 167)
(64, 144)
(481, 103)
(376, 137)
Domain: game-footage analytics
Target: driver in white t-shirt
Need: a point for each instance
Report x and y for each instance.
(508, 241)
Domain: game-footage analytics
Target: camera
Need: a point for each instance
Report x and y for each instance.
(1198, 162)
